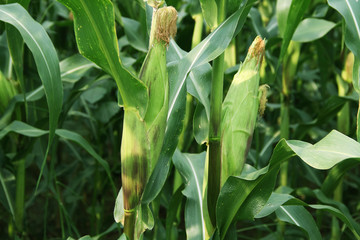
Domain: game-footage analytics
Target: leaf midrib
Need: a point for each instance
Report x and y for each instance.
(354, 18)
(199, 195)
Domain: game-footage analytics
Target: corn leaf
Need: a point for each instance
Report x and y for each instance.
(96, 39)
(282, 12)
(135, 35)
(350, 10)
(46, 60)
(244, 197)
(297, 215)
(16, 46)
(277, 200)
(191, 168)
(311, 29)
(44, 54)
(210, 11)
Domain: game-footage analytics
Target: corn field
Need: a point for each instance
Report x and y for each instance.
(179, 119)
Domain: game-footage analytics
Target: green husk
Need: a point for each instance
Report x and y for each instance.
(143, 137)
(240, 110)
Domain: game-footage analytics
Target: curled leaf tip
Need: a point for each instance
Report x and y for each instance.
(166, 24)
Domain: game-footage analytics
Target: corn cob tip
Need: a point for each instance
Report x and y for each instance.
(166, 24)
(257, 50)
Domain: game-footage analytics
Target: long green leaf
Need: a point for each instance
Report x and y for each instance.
(191, 168)
(44, 54)
(244, 197)
(16, 47)
(350, 10)
(96, 38)
(311, 29)
(277, 200)
(298, 216)
(198, 81)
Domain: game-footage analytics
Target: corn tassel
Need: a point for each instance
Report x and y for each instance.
(239, 112)
(143, 138)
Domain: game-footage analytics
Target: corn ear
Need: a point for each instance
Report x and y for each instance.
(154, 74)
(143, 137)
(239, 112)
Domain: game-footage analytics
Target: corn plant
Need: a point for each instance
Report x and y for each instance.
(156, 116)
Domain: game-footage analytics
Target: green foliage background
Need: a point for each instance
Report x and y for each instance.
(307, 66)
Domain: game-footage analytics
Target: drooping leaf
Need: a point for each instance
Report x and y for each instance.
(297, 215)
(44, 54)
(311, 29)
(96, 40)
(330, 151)
(277, 200)
(243, 197)
(350, 10)
(23, 129)
(16, 46)
(341, 211)
(191, 168)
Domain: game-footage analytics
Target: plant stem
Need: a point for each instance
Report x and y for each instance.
(129, 224)
(20, 195)
(284, 133)
(214, 148)
(290, 62)
(358, 123)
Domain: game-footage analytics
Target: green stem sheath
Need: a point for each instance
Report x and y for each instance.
(129, 224)
(214, 147)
